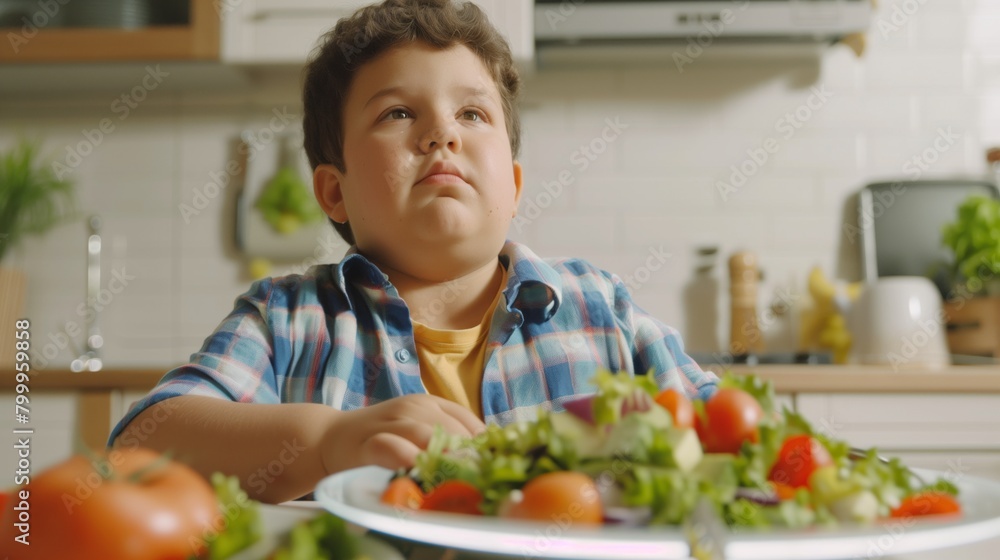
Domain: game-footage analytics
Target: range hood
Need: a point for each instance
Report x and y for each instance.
(561, 24)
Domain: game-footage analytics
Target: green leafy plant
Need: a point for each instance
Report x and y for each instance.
(974, 240)
(33, 199)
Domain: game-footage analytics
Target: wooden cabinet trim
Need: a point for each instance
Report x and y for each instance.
(94, 418)
(197, 41)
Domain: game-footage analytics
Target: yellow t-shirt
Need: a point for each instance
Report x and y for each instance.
(451, 361)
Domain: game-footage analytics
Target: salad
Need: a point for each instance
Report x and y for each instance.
(630, 454)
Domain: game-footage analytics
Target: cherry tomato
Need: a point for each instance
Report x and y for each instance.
(131, 503)
(800, 455)
(454, 496)
(402, 492)
(731, 417)
(680, 408)
(565, 497)
(928, 503)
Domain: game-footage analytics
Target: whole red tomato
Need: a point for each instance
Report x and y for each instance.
(731, 417)
(680, 408)
(129, 504)
(565, 497)
(799, 457)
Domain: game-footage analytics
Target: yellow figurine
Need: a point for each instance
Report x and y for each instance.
(824, 324)
(258, 268)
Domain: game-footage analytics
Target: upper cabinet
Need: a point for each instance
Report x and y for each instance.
(286, 31)
(54, 31)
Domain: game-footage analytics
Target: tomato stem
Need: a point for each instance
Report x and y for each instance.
(160, 462)
(99, 462)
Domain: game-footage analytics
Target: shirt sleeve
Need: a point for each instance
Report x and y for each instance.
(658, 348)
(235, 363)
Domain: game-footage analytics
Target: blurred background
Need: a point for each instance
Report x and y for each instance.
(735, 138)
(650, 191)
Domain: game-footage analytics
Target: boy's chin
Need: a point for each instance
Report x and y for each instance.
(457, 243)
(453, 241)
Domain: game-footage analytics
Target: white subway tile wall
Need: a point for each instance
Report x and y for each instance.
(633, 168)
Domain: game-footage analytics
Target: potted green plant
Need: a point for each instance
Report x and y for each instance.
(973, 308)
(33, 200)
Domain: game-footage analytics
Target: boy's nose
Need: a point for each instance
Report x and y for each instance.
(441, 136)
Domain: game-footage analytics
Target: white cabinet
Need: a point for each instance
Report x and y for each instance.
(53, 419)
(957, 433)
(515, 20)
(276, 31)
(286, 31)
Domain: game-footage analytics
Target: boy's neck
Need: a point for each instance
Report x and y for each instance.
(459, 303)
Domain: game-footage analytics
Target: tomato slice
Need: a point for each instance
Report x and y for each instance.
(680, 408)
(454, 496)
(927, 503)
(402, 492)
(799, 457)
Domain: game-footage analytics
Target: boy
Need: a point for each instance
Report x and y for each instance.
(432, 318)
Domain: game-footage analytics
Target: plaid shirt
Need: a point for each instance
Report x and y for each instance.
(341, 335)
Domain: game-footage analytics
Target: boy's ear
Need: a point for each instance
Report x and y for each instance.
(518, 183)
(329, 193)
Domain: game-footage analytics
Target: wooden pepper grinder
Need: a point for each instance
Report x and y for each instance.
(744, 332)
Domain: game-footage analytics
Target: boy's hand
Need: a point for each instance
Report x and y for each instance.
(391, 433)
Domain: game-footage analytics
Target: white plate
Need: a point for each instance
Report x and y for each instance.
(279, 520)
(354, 495)
(980, 521)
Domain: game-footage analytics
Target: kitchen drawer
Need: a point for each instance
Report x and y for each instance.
(955, 464)
(782, 402)
(907, 422)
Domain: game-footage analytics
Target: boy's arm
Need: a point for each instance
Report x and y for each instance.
(659, 347)
(281, 451)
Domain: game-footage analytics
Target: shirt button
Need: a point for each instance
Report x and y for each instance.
(402, 355)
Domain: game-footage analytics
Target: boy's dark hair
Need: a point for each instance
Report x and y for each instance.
(375, 29)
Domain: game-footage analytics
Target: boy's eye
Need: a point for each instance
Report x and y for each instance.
(397, 114)
(472, 115)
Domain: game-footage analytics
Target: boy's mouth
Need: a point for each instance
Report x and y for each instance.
(443, 173)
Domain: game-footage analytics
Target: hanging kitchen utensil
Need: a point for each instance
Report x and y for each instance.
(298, 233)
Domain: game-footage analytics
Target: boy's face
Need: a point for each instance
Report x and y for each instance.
(430, 181)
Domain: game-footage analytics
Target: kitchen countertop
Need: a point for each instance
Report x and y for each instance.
(786, 379)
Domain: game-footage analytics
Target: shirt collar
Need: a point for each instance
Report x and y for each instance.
(354, 268)
(533, 287)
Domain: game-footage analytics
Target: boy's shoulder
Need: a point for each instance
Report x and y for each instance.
(295, 286)
(352, 269)
(565, 267)
(565, 275)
